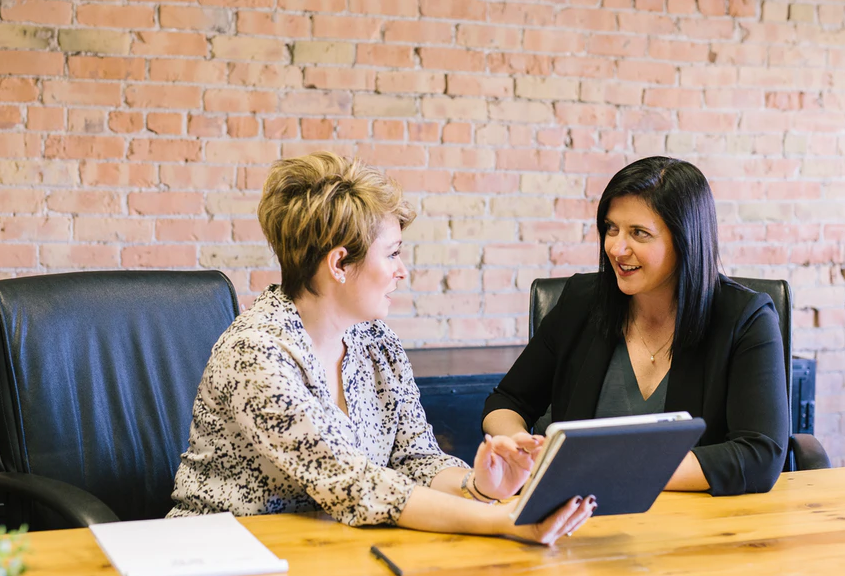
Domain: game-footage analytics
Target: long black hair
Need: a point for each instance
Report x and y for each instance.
(679, 193)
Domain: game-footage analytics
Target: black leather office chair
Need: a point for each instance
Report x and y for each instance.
(805, 452)
(98, 374)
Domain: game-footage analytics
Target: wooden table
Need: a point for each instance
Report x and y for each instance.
(797, 528)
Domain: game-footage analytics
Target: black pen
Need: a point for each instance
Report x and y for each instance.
(380, 555)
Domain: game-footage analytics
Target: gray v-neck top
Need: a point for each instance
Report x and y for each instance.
(620, 393)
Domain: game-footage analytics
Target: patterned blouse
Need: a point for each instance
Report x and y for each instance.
(266, 436)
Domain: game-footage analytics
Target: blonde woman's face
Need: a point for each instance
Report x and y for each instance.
(370, 284)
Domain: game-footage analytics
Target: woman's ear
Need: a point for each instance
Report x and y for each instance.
(335, 261)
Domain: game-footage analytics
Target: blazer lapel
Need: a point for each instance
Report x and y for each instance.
(685, 389)
(589, 377)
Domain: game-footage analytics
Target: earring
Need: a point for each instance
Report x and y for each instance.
(340, 278)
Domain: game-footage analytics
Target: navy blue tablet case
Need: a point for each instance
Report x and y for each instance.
(625, 467)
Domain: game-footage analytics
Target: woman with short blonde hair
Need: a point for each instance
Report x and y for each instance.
(308, 400)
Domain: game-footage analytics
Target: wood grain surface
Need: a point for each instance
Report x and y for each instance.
(797, 528)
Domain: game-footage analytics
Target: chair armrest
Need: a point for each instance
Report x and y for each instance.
(808, 451)
(77, 506)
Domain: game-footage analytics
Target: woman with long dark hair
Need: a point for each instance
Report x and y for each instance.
(658, 329)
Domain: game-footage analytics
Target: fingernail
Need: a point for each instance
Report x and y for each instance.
(578, 500)
(487, 437)
(569, 534)
(591, 499)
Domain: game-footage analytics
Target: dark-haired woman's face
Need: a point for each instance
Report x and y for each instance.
(639, 247)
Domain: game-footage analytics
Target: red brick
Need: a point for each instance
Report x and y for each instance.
(384, 55)
(765, 121)
(242, 127)
(105, 68)
(233, 152)
(773, 33)
(672, 98)
(575, 254)
(709, 76)
(742, 233)
(655, 5)
(549, 40)
(712, 7)
(649, 72)
(528, 160)
(386, 7)
(247, 231)
(681, 51)
(417, 31)
(519, 63)
(18, 256)
(86, 120)
(551, 231)
(37, 11)
(159, 256)
(10, 116)
(421, 180)
(416, 82)
(464, 10)
(313, 5)
(158, 203)
(751, 254)
(522, 111)
(205, 126)
(387, 130)
(197, 177)
(273, 24)
(452, 59)
(163, 96)
(810, 56)
(126, 122)
(47, 119)
(164, 123)
(316, 128)
(280, 128)
(707, 29)
(21, 201)
(726, 98)
(78, 256)
(644, 23)
(316, 102)
(352, 28)
(236, 100)
(609, 92)
(418, 132)
(481, 36)
(551, 136)
(340, 78)
(31, 63)
(593, 163)
(749, 55)
(392, 154)
(742, 8)
(461, 158)
(83, 93)
(616, 45)
(243, 3)
(585, 67)
(790, 233)
(455, 108)
(520, 14)
(169, 44)
(84, 201)
(193, 18)
(486, 182)
(102, 16)
(448, 304)
(260, 279)
(19, 145)
(573, 114)
(198, 71)
(586, 19)
(164, 150)
(264, 75)
(96, 229)
(116, 174)
(469, 329)
(457, 133)
(39, 228)
(229, 203)
(576, 209)
(477, 85)
(81, 147)
(193, 230)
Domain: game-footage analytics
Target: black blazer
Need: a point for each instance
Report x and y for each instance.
(734, 380)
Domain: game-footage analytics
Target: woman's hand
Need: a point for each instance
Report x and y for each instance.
(503, 464)
(563, 522)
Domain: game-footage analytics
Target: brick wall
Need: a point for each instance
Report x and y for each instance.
(137, 135)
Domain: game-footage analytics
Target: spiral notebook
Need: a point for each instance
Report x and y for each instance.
(625, 462)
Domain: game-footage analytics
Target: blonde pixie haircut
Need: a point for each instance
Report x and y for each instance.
(321, 201)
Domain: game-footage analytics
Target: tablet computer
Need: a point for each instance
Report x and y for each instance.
(625, 462)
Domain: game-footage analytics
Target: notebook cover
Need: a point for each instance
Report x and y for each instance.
(625, 467)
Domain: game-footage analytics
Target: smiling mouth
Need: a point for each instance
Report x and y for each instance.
(626, 268)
